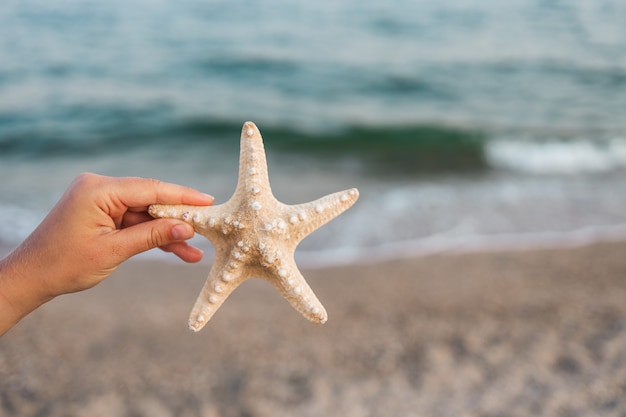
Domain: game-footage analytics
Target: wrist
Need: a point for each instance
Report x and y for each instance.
(18, 295)
(9, 310)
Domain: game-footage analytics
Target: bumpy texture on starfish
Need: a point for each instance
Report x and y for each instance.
(255, 235)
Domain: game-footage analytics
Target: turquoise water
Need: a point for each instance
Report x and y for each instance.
(475, 123)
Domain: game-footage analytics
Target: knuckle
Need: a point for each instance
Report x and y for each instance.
(85, 184)
(82, 187)
(155, 182)
(156, 185)
(86, 179)
(156, 238)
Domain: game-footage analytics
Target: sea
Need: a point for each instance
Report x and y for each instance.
(467, 125)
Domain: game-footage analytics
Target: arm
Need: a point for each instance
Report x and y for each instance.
(97, 224)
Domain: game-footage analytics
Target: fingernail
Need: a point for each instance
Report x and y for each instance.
(182, 232)
(208, 196)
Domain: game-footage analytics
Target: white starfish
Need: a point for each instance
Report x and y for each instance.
(255, 235)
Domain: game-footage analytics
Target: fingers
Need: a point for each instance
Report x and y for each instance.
(180, 248)
(125, 202)
(167, 233)
(184, 251)
(141, 192)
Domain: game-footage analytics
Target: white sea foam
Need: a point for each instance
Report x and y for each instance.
(572, 156)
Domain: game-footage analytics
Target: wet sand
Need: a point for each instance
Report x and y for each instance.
(495, 334)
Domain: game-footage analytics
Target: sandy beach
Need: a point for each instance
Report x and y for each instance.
(507, 334)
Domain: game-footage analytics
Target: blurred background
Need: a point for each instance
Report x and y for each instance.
(466, 123)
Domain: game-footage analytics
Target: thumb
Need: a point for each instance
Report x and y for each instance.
(153, 234)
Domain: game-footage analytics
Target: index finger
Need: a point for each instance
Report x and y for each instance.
(141, 192)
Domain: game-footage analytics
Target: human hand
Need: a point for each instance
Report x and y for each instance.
(97, 224)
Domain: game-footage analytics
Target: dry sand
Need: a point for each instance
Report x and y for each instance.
(499, 334)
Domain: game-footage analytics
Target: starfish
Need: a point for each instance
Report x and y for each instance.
(255, 235)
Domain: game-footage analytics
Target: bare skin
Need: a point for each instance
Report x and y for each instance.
(97, 224)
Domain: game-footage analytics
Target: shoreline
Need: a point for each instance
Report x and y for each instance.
(470, 245)
(528, 332)
(420, 248)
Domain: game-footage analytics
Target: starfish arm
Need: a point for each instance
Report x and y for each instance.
(253, 173)
(195, 215)
(225, 276)
(308, 217)
(211, 222)
(288, 280)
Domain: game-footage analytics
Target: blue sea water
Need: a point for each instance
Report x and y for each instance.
(465, 124)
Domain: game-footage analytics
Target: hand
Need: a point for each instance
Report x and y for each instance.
(97, 224)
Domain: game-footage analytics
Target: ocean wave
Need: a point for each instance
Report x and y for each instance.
(405, 149)
(571, 156)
